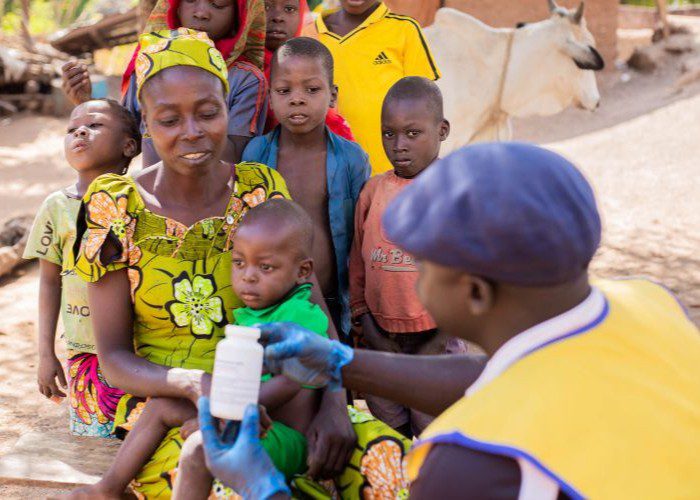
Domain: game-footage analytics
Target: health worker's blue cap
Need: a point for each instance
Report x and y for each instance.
(511, 212)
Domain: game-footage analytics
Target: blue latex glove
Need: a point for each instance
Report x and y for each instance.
(304, 356)
(241, 464)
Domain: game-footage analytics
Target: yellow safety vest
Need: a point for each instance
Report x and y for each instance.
(609, 411)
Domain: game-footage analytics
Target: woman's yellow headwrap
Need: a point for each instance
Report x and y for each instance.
(181, 47)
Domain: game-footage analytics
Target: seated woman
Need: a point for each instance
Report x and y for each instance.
(237, 28)
(156, 249)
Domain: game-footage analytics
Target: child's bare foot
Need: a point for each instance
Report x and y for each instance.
(94, 491)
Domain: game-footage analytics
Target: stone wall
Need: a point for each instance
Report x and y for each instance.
(632, 17)
(421, 10)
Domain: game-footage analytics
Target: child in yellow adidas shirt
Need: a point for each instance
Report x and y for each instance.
(372, 49)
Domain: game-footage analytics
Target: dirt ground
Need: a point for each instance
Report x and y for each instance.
(640, 150)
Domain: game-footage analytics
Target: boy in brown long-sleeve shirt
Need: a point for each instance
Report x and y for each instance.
(383, 300)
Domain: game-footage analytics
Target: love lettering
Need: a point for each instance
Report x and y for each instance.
(46, 239)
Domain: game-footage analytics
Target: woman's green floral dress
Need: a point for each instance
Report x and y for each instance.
(180, 283)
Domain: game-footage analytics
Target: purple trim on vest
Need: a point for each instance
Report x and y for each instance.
(598, 320)
(508, 451)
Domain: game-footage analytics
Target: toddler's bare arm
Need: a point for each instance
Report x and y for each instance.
(278, 391)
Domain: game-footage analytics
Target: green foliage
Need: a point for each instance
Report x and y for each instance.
(45, 16)
(69, 10)
(41, 17)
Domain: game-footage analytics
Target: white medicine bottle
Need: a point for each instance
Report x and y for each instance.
(237, 370)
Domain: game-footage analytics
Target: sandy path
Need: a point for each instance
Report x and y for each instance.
(22, 408)
(646, 175)
(31, 163)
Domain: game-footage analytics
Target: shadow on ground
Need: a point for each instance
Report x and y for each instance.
(37, 424)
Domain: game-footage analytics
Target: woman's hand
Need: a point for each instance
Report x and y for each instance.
(76, 82)
(304, 356)
(241, 464)
(331, 437)
(50, 370)
(192, 383)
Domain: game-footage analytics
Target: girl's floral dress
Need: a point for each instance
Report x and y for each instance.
(180, 281)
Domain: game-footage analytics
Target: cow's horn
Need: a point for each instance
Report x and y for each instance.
(552, 5)
(578, 15)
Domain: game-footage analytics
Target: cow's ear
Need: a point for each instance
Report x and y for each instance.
(585, 56)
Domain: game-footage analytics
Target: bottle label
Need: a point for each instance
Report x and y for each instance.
(235, 385)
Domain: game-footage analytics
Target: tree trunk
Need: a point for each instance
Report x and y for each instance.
(27, 40)
(145, 8)
(662, 10)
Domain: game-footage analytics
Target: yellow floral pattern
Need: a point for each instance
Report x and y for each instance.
(160, 50)
(255, 197)
(180, 280)
(175, 229)
(107, 215)
(195, 306)
(133, 416)
(376, 467)
(134, 253)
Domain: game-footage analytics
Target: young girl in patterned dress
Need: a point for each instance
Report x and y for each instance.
(102, 137)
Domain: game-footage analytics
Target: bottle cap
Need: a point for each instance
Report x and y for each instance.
(242, 331)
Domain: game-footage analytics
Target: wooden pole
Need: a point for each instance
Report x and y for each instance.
(145, 9)
(27, 40)
(662, 10)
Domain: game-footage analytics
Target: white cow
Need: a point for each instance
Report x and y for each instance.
(489, 75)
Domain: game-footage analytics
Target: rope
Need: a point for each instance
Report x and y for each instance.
(496, 111)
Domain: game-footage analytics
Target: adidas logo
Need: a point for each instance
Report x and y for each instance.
(382, 58)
